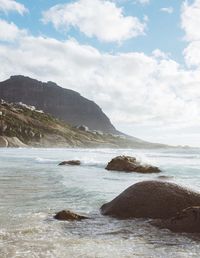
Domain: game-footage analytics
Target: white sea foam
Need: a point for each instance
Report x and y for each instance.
(45, 160)
(93, 163)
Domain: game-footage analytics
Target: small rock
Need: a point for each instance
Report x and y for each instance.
(68, 215)
(70, 162)
(186, 221)
(165, 177)
(130, 164)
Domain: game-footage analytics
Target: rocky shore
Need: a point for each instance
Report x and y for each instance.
(168, 205)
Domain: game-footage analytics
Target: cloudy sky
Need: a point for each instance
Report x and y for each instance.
(138, 59)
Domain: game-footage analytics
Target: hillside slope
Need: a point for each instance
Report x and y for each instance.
(64, 104)
(22, 125)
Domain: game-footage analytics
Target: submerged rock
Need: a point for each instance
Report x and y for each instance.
(165, 177)
(151, 199)
(188, 221)
(130, 164)
(70, 162)
(68, 215)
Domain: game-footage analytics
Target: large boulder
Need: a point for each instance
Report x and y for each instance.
(70, 162)
(130, 164)
(151, 199)
(188, 221)
(68, 215)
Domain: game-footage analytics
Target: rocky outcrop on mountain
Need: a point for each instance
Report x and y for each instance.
(11, 142)
(64, 104)
(130, 164)
(3, 142)
(151, 199)
(22, 125)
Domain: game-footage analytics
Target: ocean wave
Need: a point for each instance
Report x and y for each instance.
(93, 163)
(45, 160)
(112, 179)
(174, 156)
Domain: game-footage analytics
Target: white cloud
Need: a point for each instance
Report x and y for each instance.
(9, 31)
(133, 89)
(192, 54)
(169, 9)
(144, 88)
(12, 5)
(95, 18)
(190, 21)
(160, 54)
(143, 1)
(190, 18)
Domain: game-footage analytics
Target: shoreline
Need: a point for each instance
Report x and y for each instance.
(34, 188)
(14, 142)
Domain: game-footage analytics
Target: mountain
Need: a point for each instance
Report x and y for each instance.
(64, 104)
(22, 125)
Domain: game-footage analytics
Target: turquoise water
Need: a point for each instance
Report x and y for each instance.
(33, 187)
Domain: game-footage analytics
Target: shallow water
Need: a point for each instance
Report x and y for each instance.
(33, 188)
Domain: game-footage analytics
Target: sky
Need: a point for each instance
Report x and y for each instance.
(139, 60)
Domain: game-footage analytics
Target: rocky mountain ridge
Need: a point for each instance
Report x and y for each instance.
(65, 104)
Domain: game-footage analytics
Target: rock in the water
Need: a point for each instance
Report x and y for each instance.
(151, 199)
(188, 221)
(68, 215)
(130, 164)
(165, 177)
(71, 162)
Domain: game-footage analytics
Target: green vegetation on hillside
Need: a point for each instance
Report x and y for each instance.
(34, 128)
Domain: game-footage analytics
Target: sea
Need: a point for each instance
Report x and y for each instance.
(33, 188)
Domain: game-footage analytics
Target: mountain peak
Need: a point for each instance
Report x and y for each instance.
(65, 104)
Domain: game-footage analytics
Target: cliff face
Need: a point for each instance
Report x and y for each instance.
(64, 104)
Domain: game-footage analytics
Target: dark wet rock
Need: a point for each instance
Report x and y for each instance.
(70, 162)
(164, 177)
(151, 199)
(68, 215)
(188, 221)
(130, 164)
